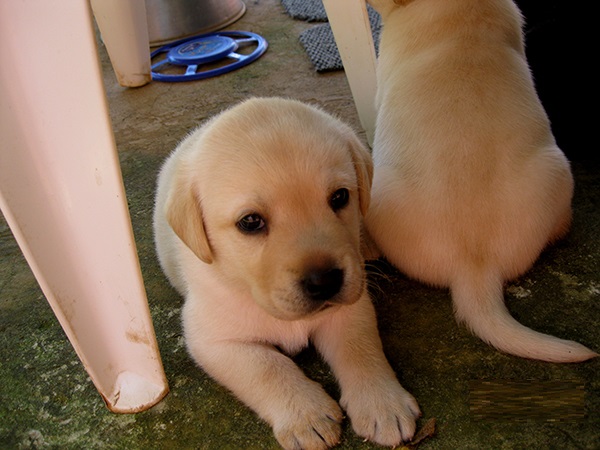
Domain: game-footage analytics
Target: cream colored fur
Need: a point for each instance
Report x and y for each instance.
(245, 309)
(469, 184)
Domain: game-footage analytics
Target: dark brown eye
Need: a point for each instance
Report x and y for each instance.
(339, 199)
(251, 224)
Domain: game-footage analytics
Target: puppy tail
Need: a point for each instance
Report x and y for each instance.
(479, 303)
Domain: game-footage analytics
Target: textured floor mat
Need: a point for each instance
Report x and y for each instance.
(319, 42)
(309, 10)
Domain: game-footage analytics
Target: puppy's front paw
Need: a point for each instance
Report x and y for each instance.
(311, 423)
(383, 412)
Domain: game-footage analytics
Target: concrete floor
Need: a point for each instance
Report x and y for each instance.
(47, 400)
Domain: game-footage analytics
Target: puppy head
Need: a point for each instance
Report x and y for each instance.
(272, 195)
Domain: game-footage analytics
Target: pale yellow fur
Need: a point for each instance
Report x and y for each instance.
(244, 309)
(469, 184)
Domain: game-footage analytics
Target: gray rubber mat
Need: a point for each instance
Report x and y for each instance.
(309, 10)
(319, 43)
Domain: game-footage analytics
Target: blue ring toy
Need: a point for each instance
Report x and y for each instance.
(192, 53)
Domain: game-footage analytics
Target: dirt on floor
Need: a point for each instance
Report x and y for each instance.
(155, 117)
(47, 400)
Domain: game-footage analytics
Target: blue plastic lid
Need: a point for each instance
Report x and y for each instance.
(195, 55)
(202, 50)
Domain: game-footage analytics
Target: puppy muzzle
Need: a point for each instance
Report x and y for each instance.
(321, 285)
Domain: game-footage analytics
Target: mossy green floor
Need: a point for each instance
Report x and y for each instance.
(47, 400)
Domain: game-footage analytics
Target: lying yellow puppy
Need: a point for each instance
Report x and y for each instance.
(258, 225)
(469, 185)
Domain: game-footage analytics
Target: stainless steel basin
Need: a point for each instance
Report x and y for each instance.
(169, 20)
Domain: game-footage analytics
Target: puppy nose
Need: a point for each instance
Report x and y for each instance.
(322, 284)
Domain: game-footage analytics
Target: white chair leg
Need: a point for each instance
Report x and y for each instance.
(124, 29)
(62, 194)
(349, 23)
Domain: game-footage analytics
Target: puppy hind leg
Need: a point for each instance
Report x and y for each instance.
(562, 227)
(479, 303)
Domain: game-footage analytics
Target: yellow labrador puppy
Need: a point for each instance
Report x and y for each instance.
(469, 185)
(258, 225)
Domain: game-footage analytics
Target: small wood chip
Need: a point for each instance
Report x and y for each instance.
(426, 431)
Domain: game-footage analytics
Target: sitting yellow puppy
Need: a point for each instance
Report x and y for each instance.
(469, 185)
(258, 225)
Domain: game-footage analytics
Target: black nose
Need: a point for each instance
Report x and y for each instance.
(322, 284)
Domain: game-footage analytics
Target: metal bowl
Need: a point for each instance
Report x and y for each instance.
(170, 20)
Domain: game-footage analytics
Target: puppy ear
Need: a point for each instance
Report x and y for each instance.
(184, 215)
(363, 166)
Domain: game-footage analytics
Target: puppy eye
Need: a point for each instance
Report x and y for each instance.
(251, 223)
(339, 199)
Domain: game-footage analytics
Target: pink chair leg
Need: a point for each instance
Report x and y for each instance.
(62, 194)
(124, 29)
(351, 29)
